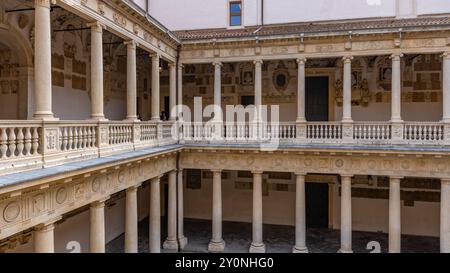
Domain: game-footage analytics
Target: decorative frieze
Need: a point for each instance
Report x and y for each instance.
(375, 164)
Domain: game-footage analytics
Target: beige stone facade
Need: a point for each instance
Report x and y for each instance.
(89, 129)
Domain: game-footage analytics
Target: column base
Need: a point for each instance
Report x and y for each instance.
(257, 248)
(99, 118)
(132, 119)
(45, 118)
(182, 242)
(170, 244)
(216, 246)
(345, 251)
(300, 249)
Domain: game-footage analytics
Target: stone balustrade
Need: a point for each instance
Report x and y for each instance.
(354, 133)
(32, 144)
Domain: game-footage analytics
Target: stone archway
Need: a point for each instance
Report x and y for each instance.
(16, 59)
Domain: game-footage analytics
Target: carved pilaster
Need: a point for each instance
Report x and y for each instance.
(347, 132)
(397, 132)
(301, 130)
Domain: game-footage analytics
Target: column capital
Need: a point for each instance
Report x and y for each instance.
(445, 55)
(258, 62)
(100, 203)
(394, 178)
(216, 170)
(156, 179)
(154, 55)
(44, 3)
(96, 26)
(445, 181)
(131, 44)
(396, 56)
(300, 174)
(301, 60)
(257, 172)
(134, 187)
(347, 175)
(217, 64)
(172, 65)
(347, 59)
(180, 66)
(48, 224)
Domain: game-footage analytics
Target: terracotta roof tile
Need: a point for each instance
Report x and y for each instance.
(314, 27)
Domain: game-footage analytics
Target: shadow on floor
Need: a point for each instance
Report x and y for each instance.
(278, 239)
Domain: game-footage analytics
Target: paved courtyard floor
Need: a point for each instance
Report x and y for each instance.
(278, 239)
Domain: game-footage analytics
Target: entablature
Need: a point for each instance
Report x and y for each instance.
(294, 46)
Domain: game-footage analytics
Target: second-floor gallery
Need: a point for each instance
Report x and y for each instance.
(321, 128)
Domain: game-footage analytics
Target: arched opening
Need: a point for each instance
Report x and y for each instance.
(15, 75)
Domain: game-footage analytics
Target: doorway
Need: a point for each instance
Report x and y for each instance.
(316, 205)
(247, 100)
(316, 98)
(166, 114)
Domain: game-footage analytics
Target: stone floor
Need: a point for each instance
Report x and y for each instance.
(278, 239)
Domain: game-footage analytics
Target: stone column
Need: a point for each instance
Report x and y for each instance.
(131, 220)
(155, 216)
(218, 91)
(131, 81)
(173, 90)
(445, 216)
(180, 87)
(396, 88)
(44, 237)
(301, 90)
(300, 215)
(257, 245)
(258, 89)
(347, 90)
(97, 71)
(217, 244)
(171, 241)
(395, 205)
(155, 87)
(42, 61)
(446, 87)
(97, 226)
(346, 214)
(182, 240)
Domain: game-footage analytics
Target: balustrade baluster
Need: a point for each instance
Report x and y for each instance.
(12, 142)
(27, 141)
(3, 143)
(35, 141)
(20, 141)
(64, 138)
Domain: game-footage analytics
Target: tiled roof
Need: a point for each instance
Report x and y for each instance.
(314, 27)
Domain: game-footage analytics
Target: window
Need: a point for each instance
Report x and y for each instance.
(235, 13)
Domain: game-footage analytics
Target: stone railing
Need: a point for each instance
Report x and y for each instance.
(354, 133)
(32, 144)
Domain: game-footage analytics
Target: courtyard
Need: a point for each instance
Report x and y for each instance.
(278, 239)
